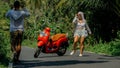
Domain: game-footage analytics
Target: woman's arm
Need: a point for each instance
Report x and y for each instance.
(88, 29)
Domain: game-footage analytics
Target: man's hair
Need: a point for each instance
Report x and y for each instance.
(16, 4)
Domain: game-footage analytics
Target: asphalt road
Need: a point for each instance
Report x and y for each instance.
(88, 60)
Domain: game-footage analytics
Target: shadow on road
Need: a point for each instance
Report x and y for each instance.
(53, 56)
(36, 63)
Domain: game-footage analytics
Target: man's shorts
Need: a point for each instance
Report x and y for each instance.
(80, 33)
(16, 37)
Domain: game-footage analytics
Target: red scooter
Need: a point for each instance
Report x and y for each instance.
(58, 43)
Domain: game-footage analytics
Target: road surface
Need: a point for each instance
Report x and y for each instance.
(88, 60)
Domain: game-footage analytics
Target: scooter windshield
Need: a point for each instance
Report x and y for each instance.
(42, 34)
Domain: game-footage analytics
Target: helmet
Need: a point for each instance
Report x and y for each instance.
(47, 29)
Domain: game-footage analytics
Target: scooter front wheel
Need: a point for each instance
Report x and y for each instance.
(37, 52)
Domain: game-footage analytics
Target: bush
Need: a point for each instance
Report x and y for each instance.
(112, 48)
(4, 49)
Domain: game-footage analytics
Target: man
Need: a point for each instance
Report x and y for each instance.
(16, 16)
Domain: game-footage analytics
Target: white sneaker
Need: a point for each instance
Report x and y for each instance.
(72, 52)
(80, 55)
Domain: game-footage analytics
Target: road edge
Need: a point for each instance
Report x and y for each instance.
(10, 65)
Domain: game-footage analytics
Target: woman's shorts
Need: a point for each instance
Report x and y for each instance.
(81, 33)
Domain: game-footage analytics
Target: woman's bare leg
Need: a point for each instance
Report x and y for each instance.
(74, 45)
(82, 45)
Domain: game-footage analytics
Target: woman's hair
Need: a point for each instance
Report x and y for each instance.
(16, 4)
(82, 14)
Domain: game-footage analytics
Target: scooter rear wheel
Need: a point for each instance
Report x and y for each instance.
(62, 49)
(37, 52)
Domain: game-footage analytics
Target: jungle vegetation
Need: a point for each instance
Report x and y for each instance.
(103, 17)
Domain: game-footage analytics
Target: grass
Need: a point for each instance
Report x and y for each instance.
(30, 43)
(2, 66)
(4, 62)
(112, 48)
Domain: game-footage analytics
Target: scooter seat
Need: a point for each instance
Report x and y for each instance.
(57, 36)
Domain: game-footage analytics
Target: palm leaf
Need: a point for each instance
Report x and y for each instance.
(61, 2)
(116, 7)
(93, 3)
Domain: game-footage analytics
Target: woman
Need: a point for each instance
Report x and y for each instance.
(81, 32)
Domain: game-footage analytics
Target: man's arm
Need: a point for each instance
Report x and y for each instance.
(8, 14)
(26, 12)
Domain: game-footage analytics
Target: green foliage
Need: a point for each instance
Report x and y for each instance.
(112, 48)
(101, 15)
(30, 43)
(4, 49)
(4, 36)
(3, 8)
(115, 48)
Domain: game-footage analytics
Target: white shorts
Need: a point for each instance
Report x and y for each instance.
(80, 33)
